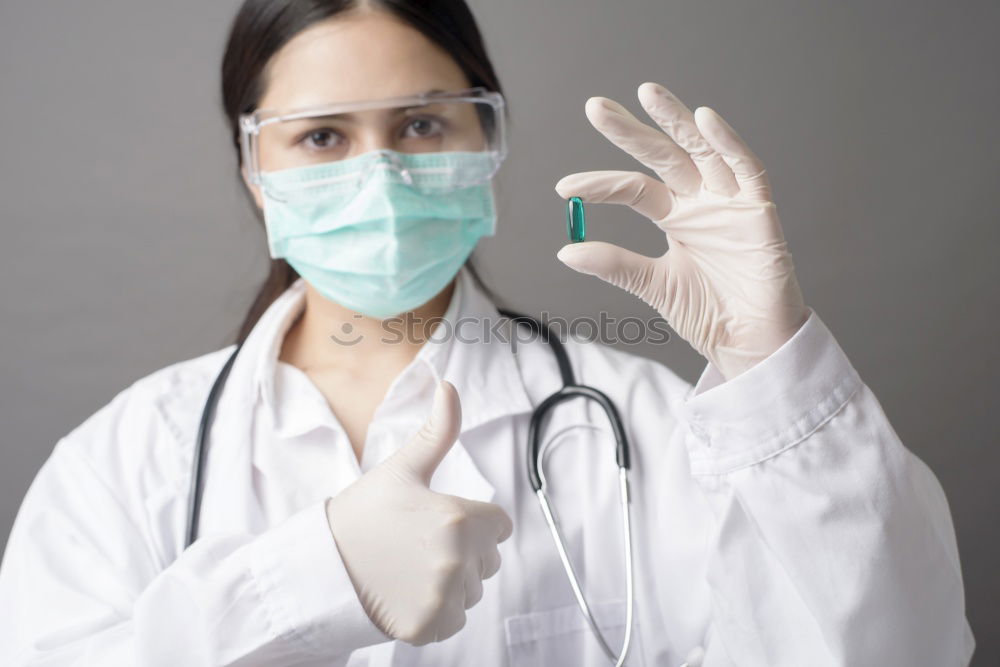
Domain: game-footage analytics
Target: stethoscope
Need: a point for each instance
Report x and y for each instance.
(536, 473)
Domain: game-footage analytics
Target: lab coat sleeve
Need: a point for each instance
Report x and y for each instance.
(80, 586)
(833, 544)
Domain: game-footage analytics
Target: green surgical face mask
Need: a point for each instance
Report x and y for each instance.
(383, 232)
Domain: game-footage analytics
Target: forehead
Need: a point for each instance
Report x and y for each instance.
(357, 56)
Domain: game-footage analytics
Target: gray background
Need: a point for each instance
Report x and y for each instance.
(128, 246)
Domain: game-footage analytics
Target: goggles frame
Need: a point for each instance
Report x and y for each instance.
(250, 124)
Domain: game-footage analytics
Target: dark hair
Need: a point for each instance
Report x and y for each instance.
(262, 27)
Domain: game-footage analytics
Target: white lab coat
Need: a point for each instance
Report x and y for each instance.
(778, 520)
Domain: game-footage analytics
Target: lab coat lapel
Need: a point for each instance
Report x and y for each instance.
(484, 372)
(458, 475)
(230, 502)
(488, 382)
(483, 368)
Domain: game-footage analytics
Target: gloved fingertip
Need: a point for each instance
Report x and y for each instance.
(705, 114)
(596, 107)
(565, 252)
(649, 88)
(438, 433)
(444, 395)
(438, 396)
(560, 187)
(712, 124)
(572, 255)
(579, 185)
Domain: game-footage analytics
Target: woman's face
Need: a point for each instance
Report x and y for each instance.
(361, 55)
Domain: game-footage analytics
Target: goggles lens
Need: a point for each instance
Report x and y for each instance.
(321, 137)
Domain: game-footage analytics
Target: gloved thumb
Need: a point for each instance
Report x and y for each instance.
(632, 272)
(421, 456)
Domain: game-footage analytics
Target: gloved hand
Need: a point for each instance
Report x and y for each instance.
(726, 284)
(417, 558)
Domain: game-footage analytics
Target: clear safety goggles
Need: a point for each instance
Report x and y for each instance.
(312, 148)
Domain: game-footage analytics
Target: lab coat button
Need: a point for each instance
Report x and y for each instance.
(701, 434)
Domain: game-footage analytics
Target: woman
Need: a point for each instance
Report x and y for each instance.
(364, 495)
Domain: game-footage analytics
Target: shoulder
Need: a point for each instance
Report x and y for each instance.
(147, 430)
(122, 475)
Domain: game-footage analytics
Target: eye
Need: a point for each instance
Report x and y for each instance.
(320, 139)
(422, 128)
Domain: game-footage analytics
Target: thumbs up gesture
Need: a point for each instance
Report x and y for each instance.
(417, 558)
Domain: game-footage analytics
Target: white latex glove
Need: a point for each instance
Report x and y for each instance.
(417, 558)
(726, 284)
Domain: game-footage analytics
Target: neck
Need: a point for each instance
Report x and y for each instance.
(329, 335)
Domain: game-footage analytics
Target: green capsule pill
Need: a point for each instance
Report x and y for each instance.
(576, 224)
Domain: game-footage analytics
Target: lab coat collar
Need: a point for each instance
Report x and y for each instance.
(482, 367)
(481, 364)
(484, 372)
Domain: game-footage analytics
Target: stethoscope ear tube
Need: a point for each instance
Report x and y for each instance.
(535, 454)
(562, 359)
(535, 427)
(535, 474)
(570, 390)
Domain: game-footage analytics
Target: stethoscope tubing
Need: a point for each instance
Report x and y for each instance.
(569, 390)
(201, 449)
(536, 475)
